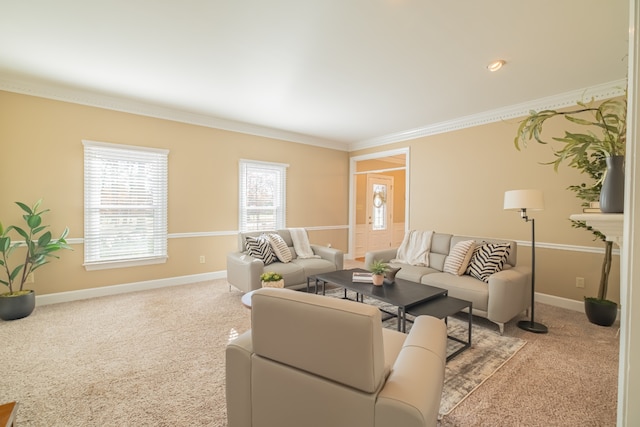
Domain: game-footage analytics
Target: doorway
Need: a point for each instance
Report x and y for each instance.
(378, 201)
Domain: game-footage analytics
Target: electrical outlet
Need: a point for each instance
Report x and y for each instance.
(31, 278)
(579, 282)
(201, 259)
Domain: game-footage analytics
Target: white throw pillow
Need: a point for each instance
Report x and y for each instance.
(458, 259)
(280, 247)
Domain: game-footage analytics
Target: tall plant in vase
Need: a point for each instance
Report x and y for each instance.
(38, 248)
(599, 153)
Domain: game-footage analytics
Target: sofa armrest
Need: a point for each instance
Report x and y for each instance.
(335, 256)
(384, 255)
(509, 293)
(412, 393)
(238, 380)
(243, 271)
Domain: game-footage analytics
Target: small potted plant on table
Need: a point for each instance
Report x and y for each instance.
(378, 269)
(272, 280)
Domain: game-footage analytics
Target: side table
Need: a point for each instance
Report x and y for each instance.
(8, 414)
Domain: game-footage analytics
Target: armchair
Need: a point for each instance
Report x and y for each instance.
(318, 361)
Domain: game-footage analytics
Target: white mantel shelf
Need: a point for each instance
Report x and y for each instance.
(608, 224)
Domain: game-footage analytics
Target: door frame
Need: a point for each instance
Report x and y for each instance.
(352, 189)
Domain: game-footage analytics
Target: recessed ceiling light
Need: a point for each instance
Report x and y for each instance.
(496, 65)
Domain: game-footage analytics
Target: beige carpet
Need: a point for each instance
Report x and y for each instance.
(156, 358)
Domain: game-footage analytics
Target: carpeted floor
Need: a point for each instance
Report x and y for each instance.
(156, 358)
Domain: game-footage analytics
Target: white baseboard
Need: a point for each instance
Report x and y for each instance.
(127, 287)
(569, 304)
(195, 278)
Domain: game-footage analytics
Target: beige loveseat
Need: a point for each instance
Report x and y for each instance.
(507, 293)
(243, 270)
(317, 361)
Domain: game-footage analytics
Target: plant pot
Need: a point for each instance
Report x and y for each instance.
(612, 191)
(600, 312)
(17, 306)
(378, 279)
(276, 284)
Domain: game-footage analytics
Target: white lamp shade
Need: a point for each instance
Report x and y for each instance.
(524, 199)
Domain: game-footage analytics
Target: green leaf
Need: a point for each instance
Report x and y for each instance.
(34, 221)
(15, 272)
(22, 232)
(44, 239)
(24, 207)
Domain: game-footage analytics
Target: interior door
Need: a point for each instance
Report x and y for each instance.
(379, 212)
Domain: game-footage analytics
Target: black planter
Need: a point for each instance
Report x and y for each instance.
(600, 312)
(17, 307)
(612, 191)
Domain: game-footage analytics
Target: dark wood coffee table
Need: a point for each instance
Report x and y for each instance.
(400, 293)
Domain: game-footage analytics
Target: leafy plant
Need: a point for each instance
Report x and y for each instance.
(40, 247)
(270, 276)
(378, 267)
(605, 136)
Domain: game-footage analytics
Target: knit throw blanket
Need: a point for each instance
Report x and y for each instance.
(301, 243)
(415, 248)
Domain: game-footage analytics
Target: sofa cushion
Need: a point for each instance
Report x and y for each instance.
(463, 287)
(260, 248)
(488, 258)
(413, 273)
(279, 247)
(459, 257)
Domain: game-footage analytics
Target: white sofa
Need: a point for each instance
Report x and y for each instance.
(243, 270)
(316, 361)
(506, 295)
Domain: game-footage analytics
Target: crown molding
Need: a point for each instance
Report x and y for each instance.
(124, 105)
(563, 100)
(82, 97)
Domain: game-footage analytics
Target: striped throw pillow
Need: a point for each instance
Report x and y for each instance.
(487, 259)
(279, 247)
(459, 257)
(260, 247)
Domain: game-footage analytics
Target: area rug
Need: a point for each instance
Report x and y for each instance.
(467, 371)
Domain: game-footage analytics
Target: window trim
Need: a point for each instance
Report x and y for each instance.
(281, 216)
(162, 255)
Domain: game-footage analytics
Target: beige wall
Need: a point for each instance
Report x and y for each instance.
(457, 182)
(42, 156)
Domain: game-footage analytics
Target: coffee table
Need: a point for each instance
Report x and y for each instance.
(400, 293)
(442, 308)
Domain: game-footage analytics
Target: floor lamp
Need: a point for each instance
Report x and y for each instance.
(521, 200)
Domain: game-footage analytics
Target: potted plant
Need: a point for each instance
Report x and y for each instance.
(272, 280)
(599, 153)
(378, 269)
(39, 248)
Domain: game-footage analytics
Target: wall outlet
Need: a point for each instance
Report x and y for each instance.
(579, 282)
(201, 259)
(31, 278)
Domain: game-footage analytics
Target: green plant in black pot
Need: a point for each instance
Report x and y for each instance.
(37, 249)
(594, 153)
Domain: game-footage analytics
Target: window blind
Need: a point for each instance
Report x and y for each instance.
(125, 204)
(262, 195)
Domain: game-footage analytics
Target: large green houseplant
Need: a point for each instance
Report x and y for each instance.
(590, 152)
(38, 248)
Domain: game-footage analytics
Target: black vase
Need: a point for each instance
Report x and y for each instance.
(612, 191)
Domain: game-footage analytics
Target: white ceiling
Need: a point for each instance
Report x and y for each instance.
(331, 72)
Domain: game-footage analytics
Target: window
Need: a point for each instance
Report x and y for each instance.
(262, 195)
(125, 205)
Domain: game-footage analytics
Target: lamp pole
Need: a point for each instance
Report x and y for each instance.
(531, 325)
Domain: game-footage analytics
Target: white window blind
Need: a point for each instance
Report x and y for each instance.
(125, 205)
(262, 195)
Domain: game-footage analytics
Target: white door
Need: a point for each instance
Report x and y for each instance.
(379, 212)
